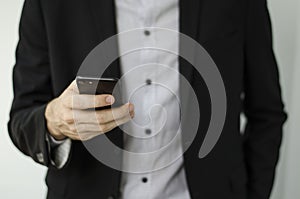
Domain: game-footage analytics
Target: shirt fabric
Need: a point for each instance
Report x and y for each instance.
(150, 80)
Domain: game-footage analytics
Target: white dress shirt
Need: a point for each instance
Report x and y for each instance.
(150, 81)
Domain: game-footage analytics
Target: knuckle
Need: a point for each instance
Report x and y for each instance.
(70, 120)
(85, 138)
(75, 137)
(102, 128)
(67, 101)
(77, 102)
(102, 118)
(79, 128)
(122, 122)
(116, 113)
(82, 128)
(125, 110)
(73, 128)
(66, 117)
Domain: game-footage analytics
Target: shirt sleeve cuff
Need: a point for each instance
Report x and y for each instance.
(60, 154)
(59, 151)
(54, 142)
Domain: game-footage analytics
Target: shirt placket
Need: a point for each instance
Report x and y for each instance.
(148, 56)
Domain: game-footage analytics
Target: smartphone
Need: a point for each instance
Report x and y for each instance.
(98, 86)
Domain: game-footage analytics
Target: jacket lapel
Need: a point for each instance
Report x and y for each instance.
(104, 16)
(103, 13)
(190, 17)
(189, 25)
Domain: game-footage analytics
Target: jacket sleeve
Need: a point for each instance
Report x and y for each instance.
(32, 86)
(263, 105)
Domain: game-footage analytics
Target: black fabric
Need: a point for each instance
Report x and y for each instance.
(56, 36)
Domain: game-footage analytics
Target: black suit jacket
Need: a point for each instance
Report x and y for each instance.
(56, 36)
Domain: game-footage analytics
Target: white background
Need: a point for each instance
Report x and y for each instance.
(21, 178)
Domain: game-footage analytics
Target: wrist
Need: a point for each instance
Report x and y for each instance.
(56, 135)
(54, 132)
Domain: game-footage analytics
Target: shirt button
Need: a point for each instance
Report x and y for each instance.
(148, 81)
(144, 179)
(148, 131)
(147, 32)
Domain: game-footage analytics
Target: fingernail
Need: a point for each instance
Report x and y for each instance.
(110, 99)
(132, 114)
(131, 107)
